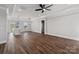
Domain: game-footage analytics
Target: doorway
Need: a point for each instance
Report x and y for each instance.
(43, 26)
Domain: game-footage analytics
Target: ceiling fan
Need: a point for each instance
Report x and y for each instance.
(43, 7)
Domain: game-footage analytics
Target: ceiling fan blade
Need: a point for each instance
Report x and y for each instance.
(48, 9)
(41, 5)
(38, 9)
(49, 6)
(42, 11)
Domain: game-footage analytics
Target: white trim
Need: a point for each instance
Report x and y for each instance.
(14, 8)
(3, 42)
(68, 37)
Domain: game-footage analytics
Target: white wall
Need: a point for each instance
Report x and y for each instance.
(36, 25)
(64, 23)
(3, 31)
(67, 26)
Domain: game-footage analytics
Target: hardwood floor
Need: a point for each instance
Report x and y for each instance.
(35, 43)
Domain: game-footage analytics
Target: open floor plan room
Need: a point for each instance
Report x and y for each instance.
(39, 28)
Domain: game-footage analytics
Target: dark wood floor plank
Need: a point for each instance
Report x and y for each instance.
(36, 43)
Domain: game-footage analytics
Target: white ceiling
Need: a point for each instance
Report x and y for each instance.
(22, 10)
(28, 10)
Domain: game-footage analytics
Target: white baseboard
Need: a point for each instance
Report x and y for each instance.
(3, 42)
(36, 31)
(73, 38)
